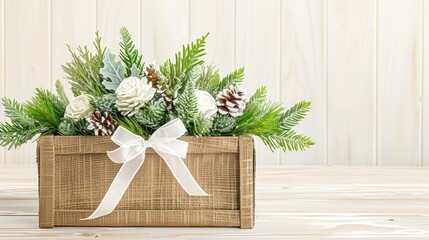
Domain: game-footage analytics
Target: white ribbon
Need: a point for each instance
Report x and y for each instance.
(132, 154)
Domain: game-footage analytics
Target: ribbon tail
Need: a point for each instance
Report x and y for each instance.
(118, 187)
(182, 174)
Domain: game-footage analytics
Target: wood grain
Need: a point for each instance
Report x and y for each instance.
(217, 18)
(75, 173)
(257, 41)
(163, 32)
(292, 203)
(96, 144)
(73, 25)
(46, 164)
(247, 182)
(2, 73)
(425, 83)
(368, 59)
(303, 73)
(351, 82)
(112, 15)
(399, 82)
(27, 54)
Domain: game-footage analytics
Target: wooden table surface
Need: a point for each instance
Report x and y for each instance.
(291, 203)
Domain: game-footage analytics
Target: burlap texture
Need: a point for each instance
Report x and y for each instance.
(75, 173)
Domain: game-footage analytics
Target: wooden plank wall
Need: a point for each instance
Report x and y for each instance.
(363, 63)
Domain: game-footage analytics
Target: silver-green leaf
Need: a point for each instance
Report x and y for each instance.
(135, 72)
(112, 70)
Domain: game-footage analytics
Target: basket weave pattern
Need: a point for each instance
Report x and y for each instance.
(75, 173)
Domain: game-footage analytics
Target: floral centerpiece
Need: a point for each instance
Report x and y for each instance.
(112, 90)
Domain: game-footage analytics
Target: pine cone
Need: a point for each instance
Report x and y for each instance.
(151, 75)
(232, 101)
(102, 124)
(169, 98)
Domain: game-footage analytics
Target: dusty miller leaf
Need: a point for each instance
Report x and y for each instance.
(112, 70)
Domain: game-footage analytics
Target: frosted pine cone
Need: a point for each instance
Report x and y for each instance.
(102, 124)
(232, 101)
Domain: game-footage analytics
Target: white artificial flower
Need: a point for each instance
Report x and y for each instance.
(206, 104)
(132, 94)
(79, 107)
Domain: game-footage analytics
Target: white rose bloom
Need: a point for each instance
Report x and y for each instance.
(132, 94)
(206, 104)
(79, 107)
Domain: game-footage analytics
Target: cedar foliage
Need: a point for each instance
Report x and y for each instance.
(83, 71)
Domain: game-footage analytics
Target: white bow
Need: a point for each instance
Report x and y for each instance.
(132, 154)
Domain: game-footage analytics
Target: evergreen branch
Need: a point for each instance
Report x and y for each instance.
(132, 125)
(129, 54)
(60, 92)
(287, 141)
(259, 119)
(185, 61)
(259, 96)
(208, 79)
(186, 104)
(233, 78)
(83, 71)
(46, 108)
(294, 115)
(15, 134)
(16, 112)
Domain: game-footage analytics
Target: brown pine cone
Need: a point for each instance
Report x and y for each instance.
(102, 124)
(232, 101)
(169, 99)
(151, 75)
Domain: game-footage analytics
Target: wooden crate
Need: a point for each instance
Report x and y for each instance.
(75, 173)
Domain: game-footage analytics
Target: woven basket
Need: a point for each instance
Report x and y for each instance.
(75, 173)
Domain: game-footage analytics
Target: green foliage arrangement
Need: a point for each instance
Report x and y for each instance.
(119, 90)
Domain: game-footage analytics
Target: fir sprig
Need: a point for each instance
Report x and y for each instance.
(294, 115)
(233, 78)
(208, 79)
(185, 61)
(46, 108)
(272, 123)
(40, 115)
(132, 125)
(129, 54)
(186, 104)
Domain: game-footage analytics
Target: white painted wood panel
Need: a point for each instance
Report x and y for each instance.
(27, 57)
(350, 69)
(362, 63)
(399, 82)
(303, 73)
(112, 15)
(2, 80)
(425, 83)
(217, 18)
(257, 48)
(164, 28)
(73, 25)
